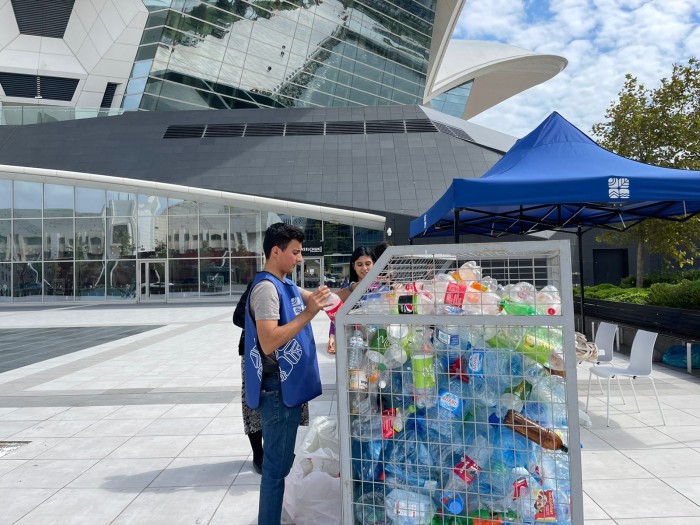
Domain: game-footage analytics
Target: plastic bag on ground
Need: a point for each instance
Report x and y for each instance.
(312, 489)
(322, 433)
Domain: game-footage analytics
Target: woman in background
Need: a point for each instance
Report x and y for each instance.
(361, 262)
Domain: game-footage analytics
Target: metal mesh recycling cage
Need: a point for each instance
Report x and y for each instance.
(457, 388)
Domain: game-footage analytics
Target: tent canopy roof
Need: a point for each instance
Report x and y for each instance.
(556, 178)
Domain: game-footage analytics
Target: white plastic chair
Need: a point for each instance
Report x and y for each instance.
(604, 340)
(639, 366)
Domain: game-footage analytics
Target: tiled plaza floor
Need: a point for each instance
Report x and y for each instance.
(147, 429)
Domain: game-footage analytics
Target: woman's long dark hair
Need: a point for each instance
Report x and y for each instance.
(360, 251)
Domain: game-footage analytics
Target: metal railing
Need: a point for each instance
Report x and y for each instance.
(22, 115)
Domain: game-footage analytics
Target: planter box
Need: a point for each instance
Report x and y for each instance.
(670, 321)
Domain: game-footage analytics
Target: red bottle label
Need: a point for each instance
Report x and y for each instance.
(454, 294)
(467, 469)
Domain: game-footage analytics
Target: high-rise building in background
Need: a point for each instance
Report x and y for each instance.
(348, 123)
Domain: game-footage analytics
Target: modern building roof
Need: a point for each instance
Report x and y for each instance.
(172, 55)
(496, 72)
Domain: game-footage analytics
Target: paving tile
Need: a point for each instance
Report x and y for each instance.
(10, 428)
(140, 412)
(670, 463)
(225, 425)
(212, 410)
(84, 448)
(118, 473)
(239, 506)
(636, 438)
(217, 445)
(53, 428)
(194, 472)
(89, 413)
(172, 506)
(45, 474)
(34, 448)
(188, 426)
(624, 498)
(8, 465)
(153, 447)
(80, 506)
(32, 413)
(115, 427)
(16, 503)
(611, 464)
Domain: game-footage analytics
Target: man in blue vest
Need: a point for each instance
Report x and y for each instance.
(281, 367)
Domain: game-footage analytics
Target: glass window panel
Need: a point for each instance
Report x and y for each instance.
(312, 228)
(182, 236)
(90, 238)
(214, 235)
(89, 202)
(27, 281)
(243, 270)
(152, 205)
(122, 204)
(27, 240)
(184, 278)
(5, 199)
(58, 281)
(27, 199)
(121, 280)
(59, 240)
(90, 281)
(368, 237)
(153, 236)
(5, 241)
(182, 207)
(121, 236)
(337, 267)
(215, 276)
(246, 234)
(210, 208)
(5, 282)
(58, 200)
(337, 238)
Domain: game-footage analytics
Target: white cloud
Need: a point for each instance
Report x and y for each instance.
(602, 40)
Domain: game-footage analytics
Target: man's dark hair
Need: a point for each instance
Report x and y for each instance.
(380, 248)
(280, 235)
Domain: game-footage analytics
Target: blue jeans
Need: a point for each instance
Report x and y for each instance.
(279, 429)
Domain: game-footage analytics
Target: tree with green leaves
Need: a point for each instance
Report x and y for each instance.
(659, 126)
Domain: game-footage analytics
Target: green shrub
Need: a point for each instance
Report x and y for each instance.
(685, 294)
(662, 276)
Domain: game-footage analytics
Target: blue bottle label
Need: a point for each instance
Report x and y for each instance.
(476, 363)
(447, 339)
(450, 401)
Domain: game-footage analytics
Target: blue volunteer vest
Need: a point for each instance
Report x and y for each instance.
(297, 361)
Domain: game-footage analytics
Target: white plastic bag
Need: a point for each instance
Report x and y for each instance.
(312, 489)
(322, 433)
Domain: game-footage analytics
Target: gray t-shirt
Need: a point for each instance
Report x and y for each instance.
(265, 306)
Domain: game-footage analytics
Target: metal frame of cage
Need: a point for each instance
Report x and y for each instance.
(545, 262)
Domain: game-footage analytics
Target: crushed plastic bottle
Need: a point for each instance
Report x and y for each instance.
(404, 507)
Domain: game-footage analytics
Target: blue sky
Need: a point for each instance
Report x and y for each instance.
(602, 40)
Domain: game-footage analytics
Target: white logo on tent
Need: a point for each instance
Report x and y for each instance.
(619, 188)
(425, 221)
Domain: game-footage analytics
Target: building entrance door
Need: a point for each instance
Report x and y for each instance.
(309, 273)
(153, 280)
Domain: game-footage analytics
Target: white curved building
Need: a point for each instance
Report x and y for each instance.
(232, 54)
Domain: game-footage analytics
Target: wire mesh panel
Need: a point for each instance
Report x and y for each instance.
(457, 388)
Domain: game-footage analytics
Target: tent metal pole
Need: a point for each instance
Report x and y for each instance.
(579, 234)
(456, 225)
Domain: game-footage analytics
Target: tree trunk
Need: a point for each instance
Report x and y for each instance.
(640, 265)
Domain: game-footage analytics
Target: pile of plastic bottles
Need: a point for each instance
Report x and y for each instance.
(461, 292)
(457, 424)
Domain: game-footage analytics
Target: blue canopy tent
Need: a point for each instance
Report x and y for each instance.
(557, 179)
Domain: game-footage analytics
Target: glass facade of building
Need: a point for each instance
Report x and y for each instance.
(228, 54)
(75, 243)
(454, 101)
